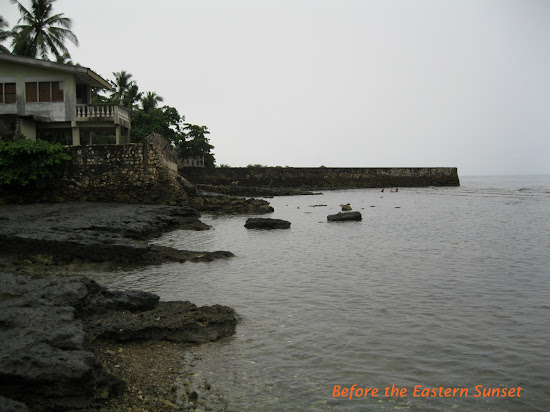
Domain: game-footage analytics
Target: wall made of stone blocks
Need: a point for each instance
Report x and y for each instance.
(323, 178)
(132, 173)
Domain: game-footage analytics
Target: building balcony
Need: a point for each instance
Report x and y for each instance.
(103, 113)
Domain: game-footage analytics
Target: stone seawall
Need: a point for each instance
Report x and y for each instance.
(132, 173)
(323, 178)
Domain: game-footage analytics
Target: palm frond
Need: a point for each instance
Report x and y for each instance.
(40, 32)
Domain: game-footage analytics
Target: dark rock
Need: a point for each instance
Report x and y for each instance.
(216, 203)
(265, 223)
(43, 360)
(346, 216)
(61, 234)
(170, 321)
(81, 294)
(9, 405)
(47, 326)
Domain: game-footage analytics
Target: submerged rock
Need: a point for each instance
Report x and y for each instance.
(346, 216)
(266, 223)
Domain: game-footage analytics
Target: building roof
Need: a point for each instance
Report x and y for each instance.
(84, 74)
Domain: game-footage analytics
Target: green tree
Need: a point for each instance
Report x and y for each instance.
(150, 101)
(197, 144)
(98, 97)
(4, 34)
(121, 84)
(131, 96)
(165, 121)
(65, 58)
(40, 32)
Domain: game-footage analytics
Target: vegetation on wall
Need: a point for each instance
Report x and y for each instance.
(26, 163)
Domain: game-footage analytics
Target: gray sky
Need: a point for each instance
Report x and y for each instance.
(366, 83)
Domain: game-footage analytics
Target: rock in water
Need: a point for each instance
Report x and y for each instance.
(266, 223)
(342, 217)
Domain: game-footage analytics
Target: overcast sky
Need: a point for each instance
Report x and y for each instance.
(362, 83)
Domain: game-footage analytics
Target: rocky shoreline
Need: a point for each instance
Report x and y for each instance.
(69, 343)
(49, 237)
(52, 328)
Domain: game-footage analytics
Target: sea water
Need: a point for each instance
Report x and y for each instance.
(437, 287)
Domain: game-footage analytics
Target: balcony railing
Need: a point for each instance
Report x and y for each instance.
(103, 113)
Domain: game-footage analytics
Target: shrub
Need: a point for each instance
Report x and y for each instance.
(27, 163)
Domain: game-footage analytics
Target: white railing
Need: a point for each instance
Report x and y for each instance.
(106, 112)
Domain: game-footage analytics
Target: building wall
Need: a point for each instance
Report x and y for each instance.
(323, 178)
(56, 111)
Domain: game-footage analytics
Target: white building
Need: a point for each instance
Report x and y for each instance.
(38, 96)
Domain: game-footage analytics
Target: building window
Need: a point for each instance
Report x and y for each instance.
(43, 92)
(31, 92)
(7, 93)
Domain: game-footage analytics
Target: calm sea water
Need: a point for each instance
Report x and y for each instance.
(438, 287)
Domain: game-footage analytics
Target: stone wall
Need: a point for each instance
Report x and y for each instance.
(323, 178)
(132, 173)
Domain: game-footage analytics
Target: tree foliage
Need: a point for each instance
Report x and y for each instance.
(150, 100)
(41, 32)
(132, 96)
(196, 144)
(4, 34)
(121, 84)
(27, 163)
(165, 121)
(190, 140)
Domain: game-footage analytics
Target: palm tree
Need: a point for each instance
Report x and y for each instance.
(4, 34)
(40, 32)
(65, 58)
(131, 96)
(150, 101)
(121, 85)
